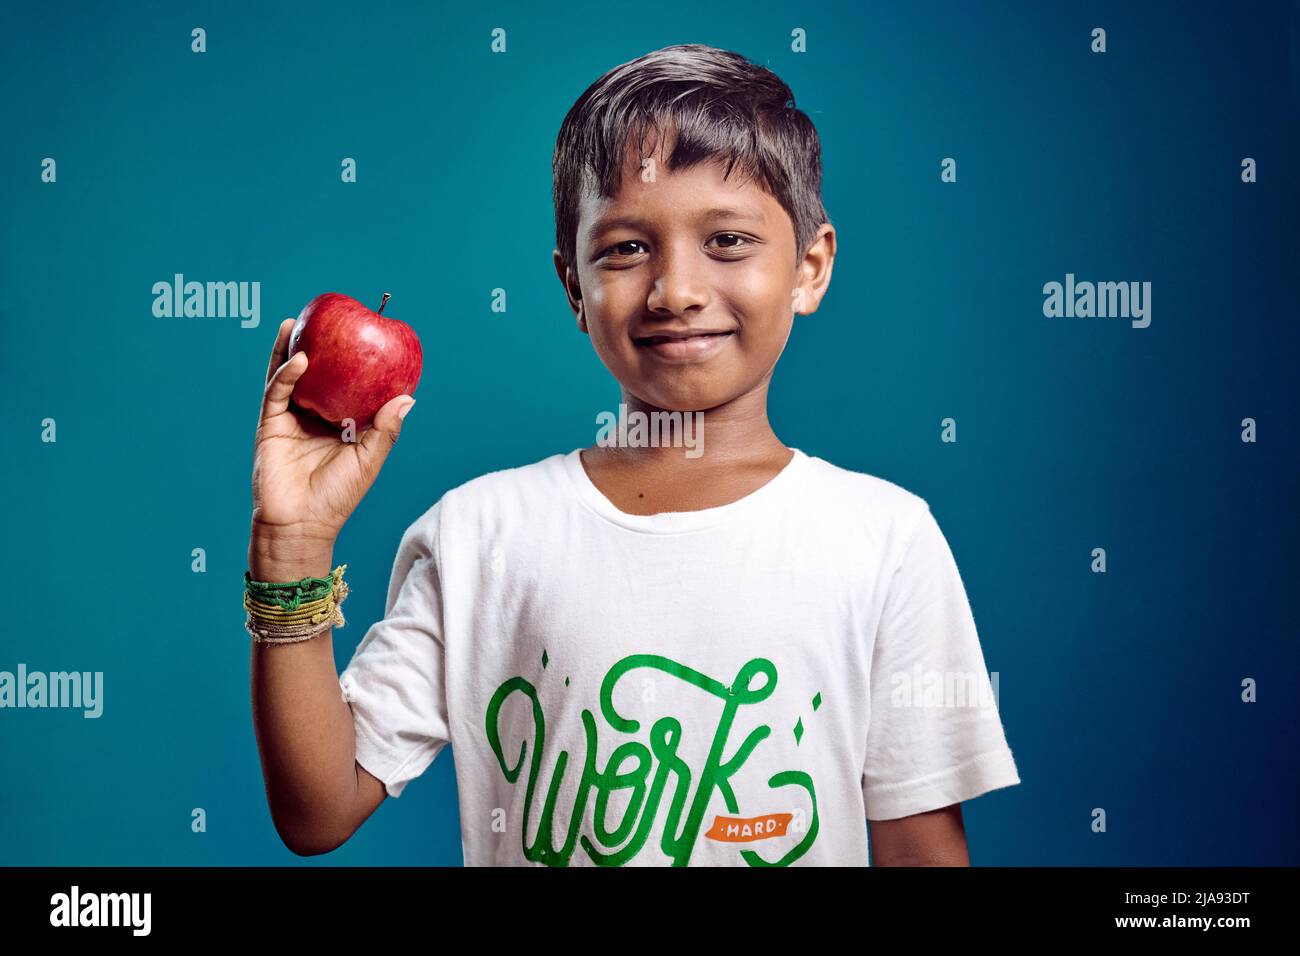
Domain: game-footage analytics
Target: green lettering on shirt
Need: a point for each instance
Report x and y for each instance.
(647, 789)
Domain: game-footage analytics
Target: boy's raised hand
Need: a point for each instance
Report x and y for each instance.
(307, 481)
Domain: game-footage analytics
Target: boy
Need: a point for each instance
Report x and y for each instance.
(641, 656)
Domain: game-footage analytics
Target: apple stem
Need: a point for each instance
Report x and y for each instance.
(383, 302)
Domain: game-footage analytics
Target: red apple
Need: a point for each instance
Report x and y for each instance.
(357, 360)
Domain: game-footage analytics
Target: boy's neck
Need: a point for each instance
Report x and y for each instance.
(740, 454)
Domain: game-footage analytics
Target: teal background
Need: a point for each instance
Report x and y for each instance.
(1119, 691)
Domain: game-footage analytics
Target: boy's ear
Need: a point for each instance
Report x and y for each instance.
(572, 291)
(815, 271)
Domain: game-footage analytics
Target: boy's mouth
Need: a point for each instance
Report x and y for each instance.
(684, 345)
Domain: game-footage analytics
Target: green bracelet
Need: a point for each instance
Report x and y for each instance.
(288, 595)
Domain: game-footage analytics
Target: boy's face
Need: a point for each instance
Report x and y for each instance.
(688, 284)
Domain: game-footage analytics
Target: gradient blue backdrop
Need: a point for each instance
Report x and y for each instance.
(1119, 691)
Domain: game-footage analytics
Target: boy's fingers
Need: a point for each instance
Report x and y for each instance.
(281, 348)
(275, 401)
(381, 436)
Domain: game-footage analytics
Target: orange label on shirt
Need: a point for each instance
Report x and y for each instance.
(747, 829)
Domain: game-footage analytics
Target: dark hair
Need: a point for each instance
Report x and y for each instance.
(719, 105)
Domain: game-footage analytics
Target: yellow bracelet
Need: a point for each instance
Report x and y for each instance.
(314, 611)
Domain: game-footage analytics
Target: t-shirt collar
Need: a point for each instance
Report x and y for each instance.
(676, 522)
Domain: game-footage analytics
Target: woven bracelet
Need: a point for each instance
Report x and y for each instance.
(292, 611)
(290, 594)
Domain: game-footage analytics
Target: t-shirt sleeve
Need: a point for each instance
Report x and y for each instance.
(934, 737)
(395, 681)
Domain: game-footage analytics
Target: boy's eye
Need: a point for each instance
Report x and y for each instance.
(736, 244)
(620, 248)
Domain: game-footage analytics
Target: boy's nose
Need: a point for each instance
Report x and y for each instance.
(677, 289)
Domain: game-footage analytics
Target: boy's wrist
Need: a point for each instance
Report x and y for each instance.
(288, 554)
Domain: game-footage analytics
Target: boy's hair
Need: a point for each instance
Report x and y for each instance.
(719, 104)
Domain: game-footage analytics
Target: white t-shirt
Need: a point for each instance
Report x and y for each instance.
(746, 684)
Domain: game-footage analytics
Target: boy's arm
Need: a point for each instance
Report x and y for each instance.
(306, 483)
(936, 838)
(317, 793)
(922, 761)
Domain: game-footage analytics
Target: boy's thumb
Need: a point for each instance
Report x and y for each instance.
(381, 436)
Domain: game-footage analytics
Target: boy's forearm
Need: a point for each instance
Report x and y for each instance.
(303, 726)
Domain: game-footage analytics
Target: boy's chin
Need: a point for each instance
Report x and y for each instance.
(682, 400)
